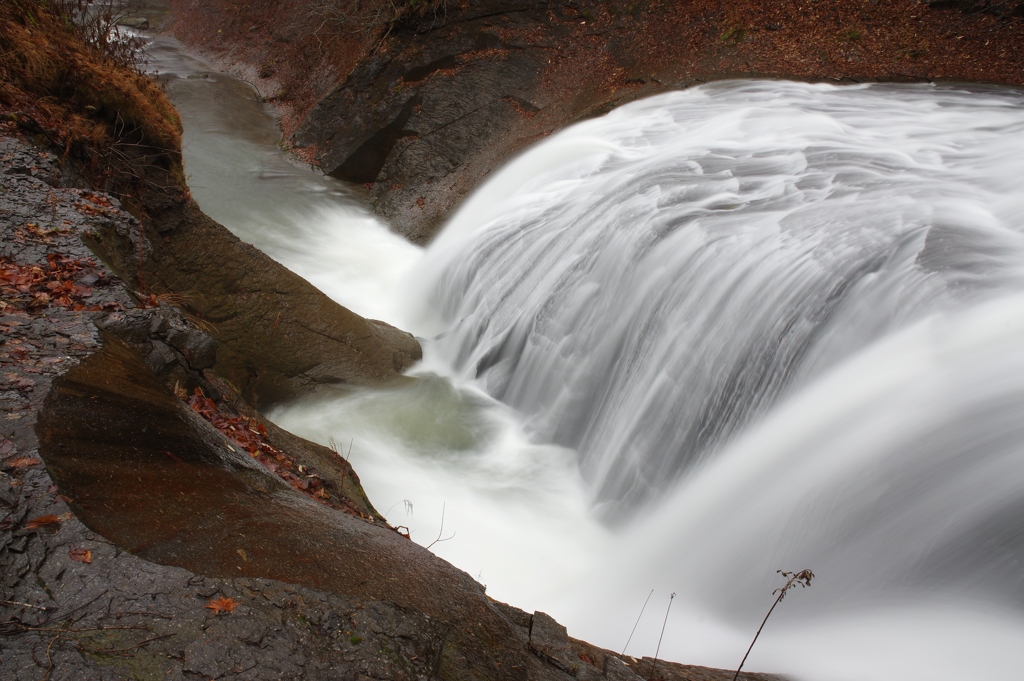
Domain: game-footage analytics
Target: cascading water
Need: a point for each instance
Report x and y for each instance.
(782, 325)
(749, 326)
(647, 302)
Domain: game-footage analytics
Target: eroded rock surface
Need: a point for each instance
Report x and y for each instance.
(422, 109)
(138, 541)
(279, 337)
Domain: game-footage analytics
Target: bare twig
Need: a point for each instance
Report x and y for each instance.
(117, 651)
(61, 630)
(333, 446)
(440, 531)
(404, 502)
(149, 614)
(637, 622)
(803, 578)
(49, 659)
(658, 650)
(24, 605)
(97, 23)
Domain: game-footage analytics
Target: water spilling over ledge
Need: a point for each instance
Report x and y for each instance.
(755, 325)
(780, 326)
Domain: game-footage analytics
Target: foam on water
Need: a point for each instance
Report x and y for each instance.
(748, 326)
(781, 325)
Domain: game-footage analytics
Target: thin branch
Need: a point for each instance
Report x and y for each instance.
(803, 578)
(106, 651)
(637, 622)
(405, 502)
(440, 531)
(61, 630)
(49, 659)
(25, 605)
(658, 650)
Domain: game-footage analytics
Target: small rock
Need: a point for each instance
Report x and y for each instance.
(199, 349)
(588, 673)
(141, 23)
(160, 358)
(550, 641)
(617, 670)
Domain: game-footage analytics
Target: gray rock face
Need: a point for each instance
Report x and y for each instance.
(141, 23)
(550, 641)
(84, 416)
(170, 335)
(418, 113)
(617, 670)
(96, 456)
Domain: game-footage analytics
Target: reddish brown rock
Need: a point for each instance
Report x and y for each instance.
(420, 111)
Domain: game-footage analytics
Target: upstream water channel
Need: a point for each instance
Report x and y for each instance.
(750, 326)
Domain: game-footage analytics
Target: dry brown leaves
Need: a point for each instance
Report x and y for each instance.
(44, 521)
(20, 462)
(222, 605)
(30, 287)
(81, 555)
(251, 436)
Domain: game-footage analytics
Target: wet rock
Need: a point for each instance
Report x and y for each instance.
(427, 110)
(277, 336)
(160, 358)
(141, 23)
(197, 347)
(9, 491)
(588, 673)
(423, 109)
(617, 670)
(173, 339)
(549, 640)
(140, 467)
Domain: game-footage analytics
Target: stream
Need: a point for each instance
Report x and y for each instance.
(750, 326)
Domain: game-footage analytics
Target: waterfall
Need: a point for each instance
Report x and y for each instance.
(722, 247)
(749, 326)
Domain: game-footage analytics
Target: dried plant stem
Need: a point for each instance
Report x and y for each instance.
(657, 651)
(24, 605)
(440, 531)
(744, 660)
(637, 622)
(803, 578)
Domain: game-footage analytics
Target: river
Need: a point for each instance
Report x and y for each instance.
(751, 326)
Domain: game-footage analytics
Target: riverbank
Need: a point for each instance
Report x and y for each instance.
(115, 130)
(153, 526)
(74, 604)
(136, 540)
(420, 107)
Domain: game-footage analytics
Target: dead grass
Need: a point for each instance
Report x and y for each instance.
(92, 109)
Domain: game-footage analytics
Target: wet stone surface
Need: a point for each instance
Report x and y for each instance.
(73, 605)
(202, 595)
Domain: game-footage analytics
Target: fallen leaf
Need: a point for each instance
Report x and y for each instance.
(222, 604)
(20, 462)
(81, 555)
(43, 521)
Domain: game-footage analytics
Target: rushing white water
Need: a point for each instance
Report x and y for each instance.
(787, 320)
(749, 326)
(315, 226)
